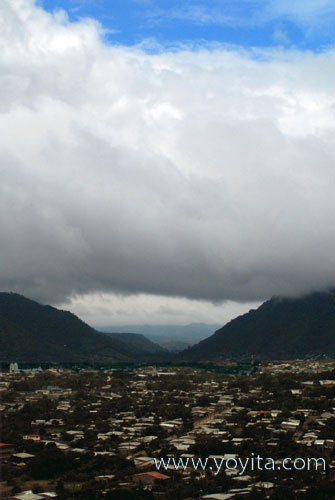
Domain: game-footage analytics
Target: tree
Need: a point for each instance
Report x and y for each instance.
(37, 488)
(50, 463)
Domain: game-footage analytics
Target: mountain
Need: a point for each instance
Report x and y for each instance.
(139, 346)
(33, 332)
(161, 334)
(175, 345)
(281, 328)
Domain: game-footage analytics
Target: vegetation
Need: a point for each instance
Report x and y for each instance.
(36, 333)
(281, 328)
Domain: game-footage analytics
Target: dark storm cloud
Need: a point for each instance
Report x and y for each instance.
(203, 175)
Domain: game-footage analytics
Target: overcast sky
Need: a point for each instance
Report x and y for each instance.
(166, 162)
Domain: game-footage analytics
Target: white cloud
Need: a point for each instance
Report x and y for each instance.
(206, 175)
(281, 36)
(308, 11)
(196, 13)
(106, 309)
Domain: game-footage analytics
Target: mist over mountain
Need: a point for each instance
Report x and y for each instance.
(281, 328)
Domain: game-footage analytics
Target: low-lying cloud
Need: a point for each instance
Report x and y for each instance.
(206, 175)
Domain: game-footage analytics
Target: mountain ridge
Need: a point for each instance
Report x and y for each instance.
(161, 334)
(281, 328)
(33, 332)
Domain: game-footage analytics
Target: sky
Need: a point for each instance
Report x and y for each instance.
(166, 162)
(307, 24)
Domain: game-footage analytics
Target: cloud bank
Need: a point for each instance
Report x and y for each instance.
(202, 174)
(108, 309)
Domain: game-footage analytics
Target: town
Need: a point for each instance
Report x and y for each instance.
(99, 434)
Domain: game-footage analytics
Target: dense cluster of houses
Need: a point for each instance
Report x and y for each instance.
(237, 417)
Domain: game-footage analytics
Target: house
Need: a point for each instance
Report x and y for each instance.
(265, 485)
(218, 496)
(29, 495)
(327, 383)
(290, 425)
(149, 478)
(142, 462)
(34, 437)
(22, 458)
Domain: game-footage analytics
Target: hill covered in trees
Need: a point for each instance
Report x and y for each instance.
(281, 328)
(137, 342)
(171, 337)
(33, 332)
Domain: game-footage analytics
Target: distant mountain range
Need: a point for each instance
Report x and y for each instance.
(281, 328)
(137, 343)
(171, 337)
(32, 332)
